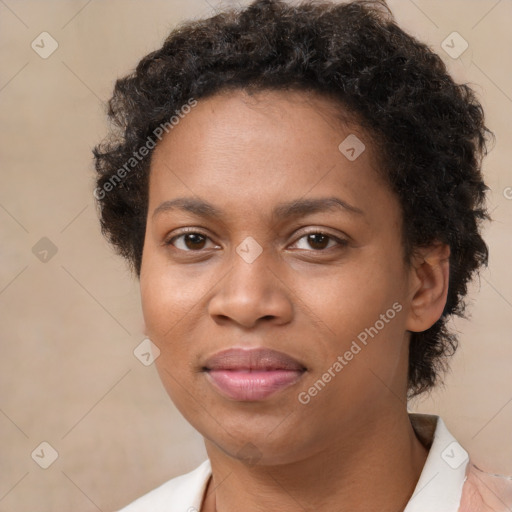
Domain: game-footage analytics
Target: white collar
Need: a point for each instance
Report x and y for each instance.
(440, 484)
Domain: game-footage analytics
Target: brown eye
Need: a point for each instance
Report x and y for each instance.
(319, 241)
(190, 241)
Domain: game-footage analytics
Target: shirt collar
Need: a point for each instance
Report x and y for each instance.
(440, 484)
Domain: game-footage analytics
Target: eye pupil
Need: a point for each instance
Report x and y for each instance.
(313, 239)
(195, 238)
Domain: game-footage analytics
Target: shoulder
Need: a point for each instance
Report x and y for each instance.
(451, 480)
(181, 494)
(484, 491)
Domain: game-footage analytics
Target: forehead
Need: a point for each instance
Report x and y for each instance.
(301, 120)
(268, 146)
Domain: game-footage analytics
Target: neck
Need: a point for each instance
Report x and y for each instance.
(375, 468)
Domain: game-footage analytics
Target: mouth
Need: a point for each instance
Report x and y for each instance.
(252, 374)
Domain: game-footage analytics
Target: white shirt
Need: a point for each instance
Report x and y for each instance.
(439, 488)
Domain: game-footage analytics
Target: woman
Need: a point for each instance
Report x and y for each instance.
(299, 191)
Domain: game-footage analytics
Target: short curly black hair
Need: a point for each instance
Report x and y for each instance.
(428, 131)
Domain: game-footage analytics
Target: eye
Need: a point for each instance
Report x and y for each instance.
(319, 241)
(194, 241)
(189, 241)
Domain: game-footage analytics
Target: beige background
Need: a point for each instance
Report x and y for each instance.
(69, 325)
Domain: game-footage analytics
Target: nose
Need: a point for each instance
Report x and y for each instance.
(251, 293)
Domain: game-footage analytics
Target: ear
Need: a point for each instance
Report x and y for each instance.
(429, 278)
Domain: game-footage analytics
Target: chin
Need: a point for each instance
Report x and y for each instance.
(255, 446)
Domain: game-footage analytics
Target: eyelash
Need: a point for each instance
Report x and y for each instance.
(339, 241)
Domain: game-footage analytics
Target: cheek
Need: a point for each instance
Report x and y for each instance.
(353, 296)
(168, 307)
(168, 294)
(361, 309)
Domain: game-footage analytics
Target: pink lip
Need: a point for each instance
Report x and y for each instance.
(252, 374)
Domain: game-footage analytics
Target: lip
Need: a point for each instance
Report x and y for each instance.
(252, 374)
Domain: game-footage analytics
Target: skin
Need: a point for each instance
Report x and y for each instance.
(245, 155)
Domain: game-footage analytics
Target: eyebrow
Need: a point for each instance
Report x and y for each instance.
(283, 211)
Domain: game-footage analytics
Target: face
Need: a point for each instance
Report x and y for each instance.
(275, 239)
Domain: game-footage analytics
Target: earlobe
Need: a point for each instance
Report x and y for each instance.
(429, 286)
